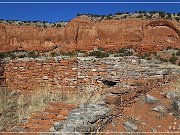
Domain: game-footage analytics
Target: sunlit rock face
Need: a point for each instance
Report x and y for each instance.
(85, 33)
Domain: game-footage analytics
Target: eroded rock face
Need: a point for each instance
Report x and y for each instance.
(85, 34)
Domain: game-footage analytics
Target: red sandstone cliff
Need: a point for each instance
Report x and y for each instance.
(83, 33)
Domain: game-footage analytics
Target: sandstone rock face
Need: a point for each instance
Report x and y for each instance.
(28, 38)
(85, 34)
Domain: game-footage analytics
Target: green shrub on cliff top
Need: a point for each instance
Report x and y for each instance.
(99, 54)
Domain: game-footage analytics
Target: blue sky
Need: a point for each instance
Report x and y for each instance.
(65, 12)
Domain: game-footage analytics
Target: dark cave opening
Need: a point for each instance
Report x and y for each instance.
(109, 83)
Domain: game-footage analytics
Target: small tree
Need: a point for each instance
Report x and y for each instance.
(169, 16)
(178, 14)
(162, 14)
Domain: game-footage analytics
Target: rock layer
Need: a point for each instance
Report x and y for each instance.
(85, 34)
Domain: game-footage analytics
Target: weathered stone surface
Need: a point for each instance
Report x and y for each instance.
(172, 94)
(130, 127)
(18, 129)
(159, 108)
(87, 118)
(119, 90)
(150, 99)
(58, 125)
(111, 99)
(176, 105)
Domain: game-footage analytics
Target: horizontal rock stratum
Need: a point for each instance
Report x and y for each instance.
(84, 33)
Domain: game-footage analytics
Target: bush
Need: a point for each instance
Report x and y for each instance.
(173, 60)
(178, 14)
(119, 13)
(178, 53)
(101, 49)
(148, 58)
(54, 47)
(109, 17)
(124, 52)
(177, 19)
(145, 56)
(32, 54)
(53, 54)
(3, 55)
(163, 60)
(162, 14)
(99, 54)
(12, 56)
(7, 54)
(169, 16)
(71, 54)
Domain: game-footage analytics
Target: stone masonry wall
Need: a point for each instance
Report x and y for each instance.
(30, 74)
(123, 71)
(79, 73)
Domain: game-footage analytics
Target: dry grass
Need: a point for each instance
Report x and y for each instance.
(36, 100)
(19, 106)
(136, 120)
(169, 65)
(8, 107)
(87, 95)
